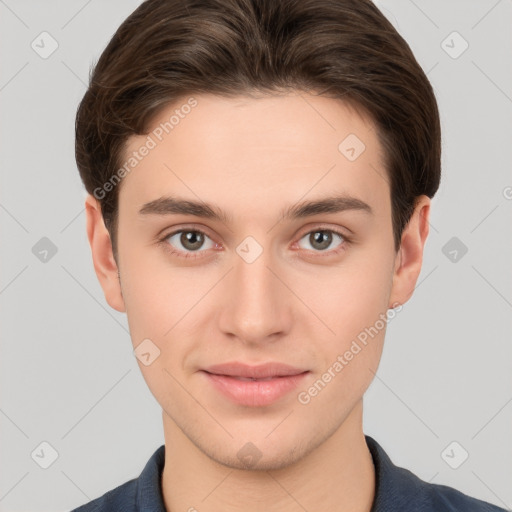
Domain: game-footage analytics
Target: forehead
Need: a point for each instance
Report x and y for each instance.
(251, 152)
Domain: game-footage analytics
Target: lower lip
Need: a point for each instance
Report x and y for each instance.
(253, 393)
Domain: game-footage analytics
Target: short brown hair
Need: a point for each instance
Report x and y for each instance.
(345, 49)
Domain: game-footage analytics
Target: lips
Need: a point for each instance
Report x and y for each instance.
(252, 379)
(254, 386)
(265, 371)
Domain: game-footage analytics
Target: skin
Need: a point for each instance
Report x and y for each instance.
(296, 303)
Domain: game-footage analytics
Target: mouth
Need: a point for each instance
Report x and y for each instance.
(251, 378)
(256, 372)
(254, 386)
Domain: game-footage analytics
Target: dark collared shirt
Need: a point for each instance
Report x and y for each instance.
(397, 490)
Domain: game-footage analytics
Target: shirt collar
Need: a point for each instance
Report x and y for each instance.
(149, 490)
(395, 487)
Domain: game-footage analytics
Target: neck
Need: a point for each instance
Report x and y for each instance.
(336, 475)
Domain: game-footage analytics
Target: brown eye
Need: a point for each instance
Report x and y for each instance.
(191, 240)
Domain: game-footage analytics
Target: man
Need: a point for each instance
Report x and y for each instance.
(259, 177)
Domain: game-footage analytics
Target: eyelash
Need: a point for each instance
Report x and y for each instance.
(194, 255)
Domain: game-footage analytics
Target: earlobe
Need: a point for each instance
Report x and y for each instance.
(409, 258)
(104, 263)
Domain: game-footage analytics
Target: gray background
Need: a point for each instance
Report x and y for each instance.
(68, 375)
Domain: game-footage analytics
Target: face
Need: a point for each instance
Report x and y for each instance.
(252, 285)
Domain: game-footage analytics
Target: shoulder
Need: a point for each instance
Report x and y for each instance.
(400, 490)
(442, 497)
(142, 493)
(122, 498)
(436, 497)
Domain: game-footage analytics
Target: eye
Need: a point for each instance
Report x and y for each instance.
(320, 239)
(186, 242)
(191, 243)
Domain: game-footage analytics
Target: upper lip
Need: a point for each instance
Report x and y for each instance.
(260, 371)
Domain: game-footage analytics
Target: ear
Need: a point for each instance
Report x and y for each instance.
(102, 254)
(409, 257)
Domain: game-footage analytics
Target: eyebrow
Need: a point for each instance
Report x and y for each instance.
(169, 205)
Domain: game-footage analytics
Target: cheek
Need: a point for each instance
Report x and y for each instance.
(345, 376)
(151, 288)
(353, 304)
(147, 303)
(348, 299)
(155, 310)
(163, 304)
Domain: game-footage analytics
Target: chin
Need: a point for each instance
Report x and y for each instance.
(262, 454)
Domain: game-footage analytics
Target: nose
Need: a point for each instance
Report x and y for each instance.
(256, 305)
